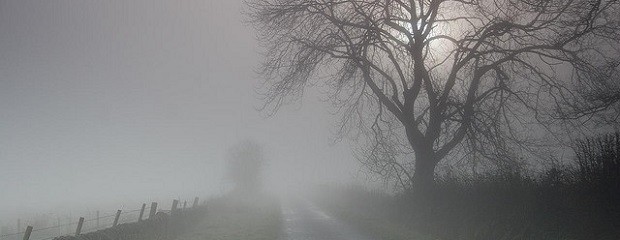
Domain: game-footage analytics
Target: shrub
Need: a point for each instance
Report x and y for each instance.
(599, 159)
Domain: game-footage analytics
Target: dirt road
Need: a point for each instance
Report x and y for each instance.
(304, 221)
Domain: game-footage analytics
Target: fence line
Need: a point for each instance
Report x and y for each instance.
(117, 220)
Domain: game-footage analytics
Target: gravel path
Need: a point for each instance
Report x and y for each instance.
(304, 221)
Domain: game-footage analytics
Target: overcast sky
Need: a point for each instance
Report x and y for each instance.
(106, 103)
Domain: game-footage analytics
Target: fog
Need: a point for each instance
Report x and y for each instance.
(109, 104)
(297, 119)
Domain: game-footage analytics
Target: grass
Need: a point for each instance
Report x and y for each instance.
(366, 211)
(239, 218)
(377, 227)
(527, 213)
(562, 203)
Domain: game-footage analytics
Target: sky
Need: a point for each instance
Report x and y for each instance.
(113, 103)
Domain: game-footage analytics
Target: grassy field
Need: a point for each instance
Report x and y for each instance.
(512, 209)
(366, 212)
(380, 228)
(239, 218)
(564, 202)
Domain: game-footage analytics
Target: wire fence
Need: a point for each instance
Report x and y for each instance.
(90, 224)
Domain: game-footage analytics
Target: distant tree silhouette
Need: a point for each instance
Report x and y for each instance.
(599, 159)
(245, 162)
(427, 80)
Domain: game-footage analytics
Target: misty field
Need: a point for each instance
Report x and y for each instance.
(580, 201)
(239, 218)
(310, 120)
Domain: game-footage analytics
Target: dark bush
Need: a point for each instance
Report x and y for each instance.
(599, 160)
(580, 201)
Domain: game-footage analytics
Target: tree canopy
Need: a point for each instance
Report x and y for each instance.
(245, 166)
(431, 79)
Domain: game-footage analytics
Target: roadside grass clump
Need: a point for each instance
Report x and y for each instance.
(372, 212)
(574, 202)
(235, 217)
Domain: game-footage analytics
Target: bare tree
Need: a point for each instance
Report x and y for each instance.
(245, 166)
(431, 79)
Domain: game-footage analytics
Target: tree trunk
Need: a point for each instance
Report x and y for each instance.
(424, 175)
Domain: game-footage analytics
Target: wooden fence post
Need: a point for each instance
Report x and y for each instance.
(79, 226)
(27, 233)
(195, 202)
(142, 212)
(153, 210)
(118, 215)
(174, 206)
